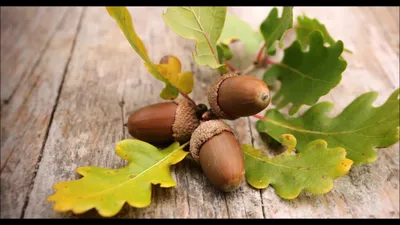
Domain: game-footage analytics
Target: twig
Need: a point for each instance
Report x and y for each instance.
(268, 62)
(230, 67)
(259, 117)
(249, 69)
(188, 98)
(259, 63)
(260, 52)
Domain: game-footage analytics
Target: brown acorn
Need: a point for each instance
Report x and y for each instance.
(233, 96)
(164, 123)
(214, 145)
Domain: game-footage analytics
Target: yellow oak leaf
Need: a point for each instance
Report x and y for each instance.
(170, 68)
(107, 190)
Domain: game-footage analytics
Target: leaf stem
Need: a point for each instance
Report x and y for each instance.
(249, 69)
(231, 68)
(268, 62)
(260, 62)
(260, 52)
(259, 117)
(188, 98)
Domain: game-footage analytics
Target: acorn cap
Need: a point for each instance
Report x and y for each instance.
(213, 98)
(187, 121)
(204, 132)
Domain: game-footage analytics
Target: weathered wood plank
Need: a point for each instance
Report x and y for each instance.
(87, 123)
(25, 120)
(194, 196)
(140, 89)
(27, 32)
(368, 190)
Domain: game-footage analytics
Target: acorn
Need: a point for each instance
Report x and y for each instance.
(233, 96)
(164, 123)
(214, 145)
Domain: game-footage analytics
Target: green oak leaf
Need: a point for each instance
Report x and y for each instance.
(202, 24)
(169, 92)
(107, 190)
(273, 27)
(358, 128)
(306, 76)
(313, 170)
(237, 29)
(259, 36)
(124, 21)
(224, 52)
(306, 25)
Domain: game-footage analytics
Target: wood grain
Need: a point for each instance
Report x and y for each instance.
(25, 120)
(87, 123)
(29, 31)
(194, 196)
(106, 80)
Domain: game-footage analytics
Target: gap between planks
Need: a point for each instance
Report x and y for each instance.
(56, 103)
(252, 143)
(24, 74)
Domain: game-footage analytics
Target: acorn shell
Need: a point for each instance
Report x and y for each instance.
(186, 120)
(234, 96)
(165, 122)
(153, 123)
(204, 132)
(212, 96)
(215, 147)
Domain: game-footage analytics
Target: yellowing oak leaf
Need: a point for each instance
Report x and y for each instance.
(358, 128)
(313, 170)
(124, 21)
(170, 68)
(107, 190)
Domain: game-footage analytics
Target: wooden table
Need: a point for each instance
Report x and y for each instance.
(69, 79)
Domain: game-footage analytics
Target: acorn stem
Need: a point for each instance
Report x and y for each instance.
(201, 109)
(189, 99)
(208, 115)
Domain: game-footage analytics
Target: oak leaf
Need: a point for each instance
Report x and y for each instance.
(170, 68)
(202, 24)
(107, 190)
(313, 170)
(237, 29)
(358, 128)
(306, 25)
(273, 27)
(306, 76)
(124, 21)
